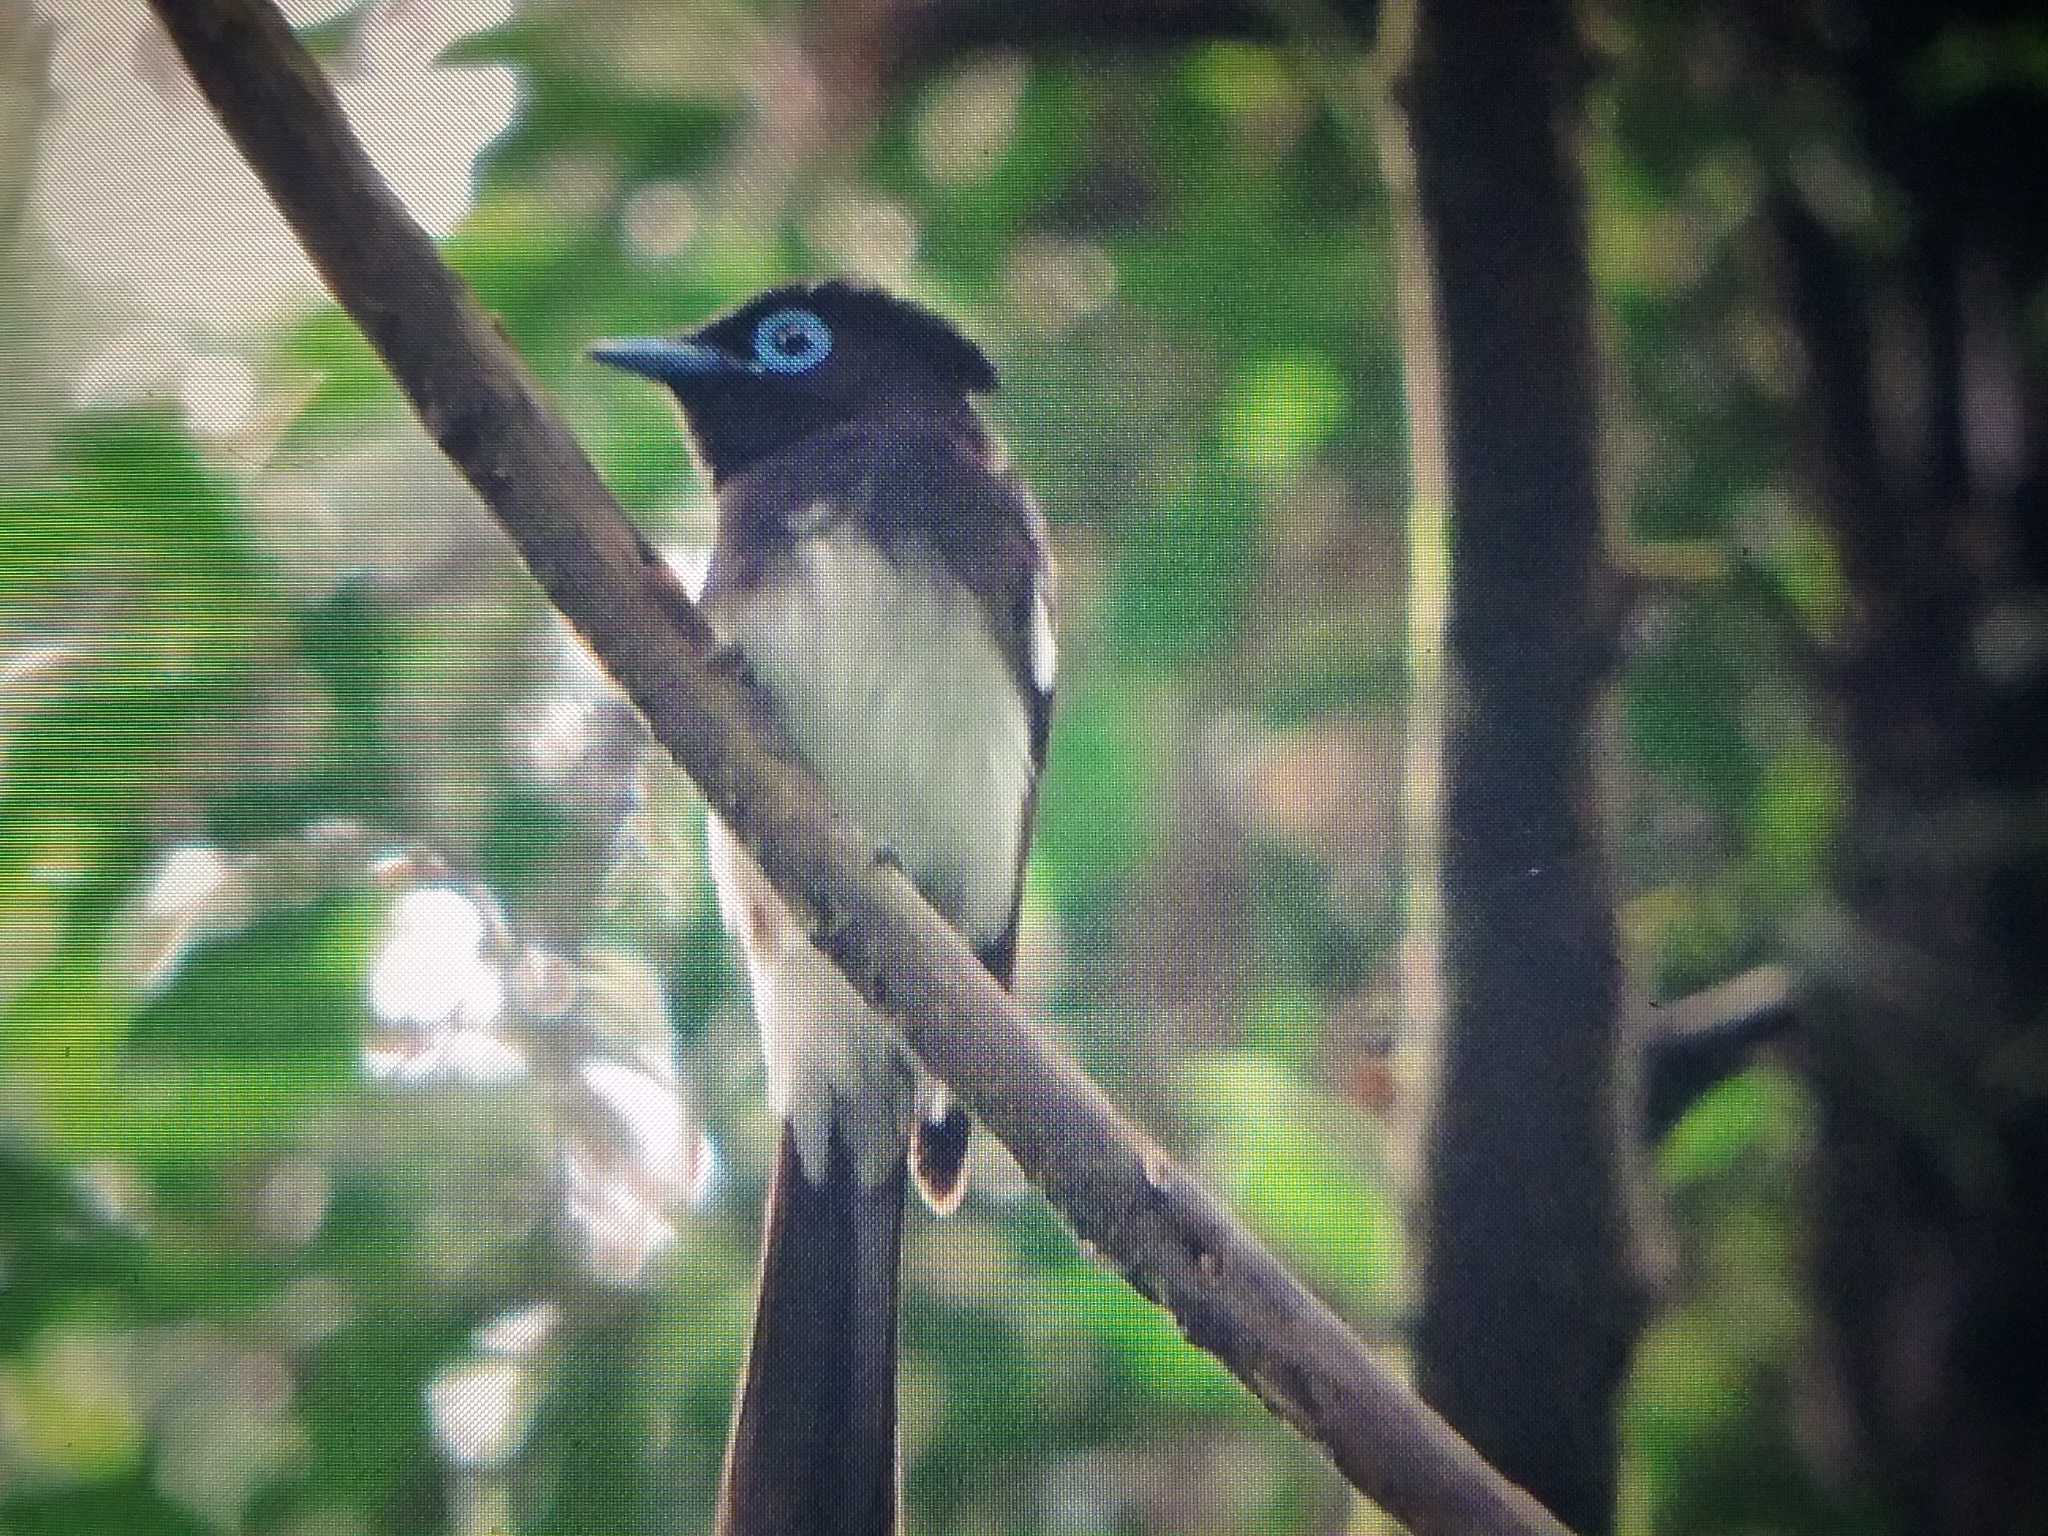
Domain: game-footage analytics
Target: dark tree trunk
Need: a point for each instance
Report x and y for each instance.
(1528, 1307)
(1930, 972)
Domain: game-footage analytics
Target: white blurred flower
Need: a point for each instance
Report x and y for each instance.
(478, 1410)
(440, 994)
(631, 1154)
(458, 1055)
(432, 968)
(650, 1113)
(197, 892)
(557, 736)
(218, 393)
(188, 879)
(619, 1229)
(519, 1332)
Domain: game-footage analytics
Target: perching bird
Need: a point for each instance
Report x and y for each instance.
(885, 576)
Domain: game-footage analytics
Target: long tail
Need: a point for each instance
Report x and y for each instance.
(814, 1440)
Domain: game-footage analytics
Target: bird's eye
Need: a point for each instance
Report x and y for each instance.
(791, 341)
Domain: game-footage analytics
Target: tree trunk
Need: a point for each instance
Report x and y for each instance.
(1930, 968)
(1528, 1307)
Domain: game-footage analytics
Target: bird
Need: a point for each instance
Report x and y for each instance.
(885, 577)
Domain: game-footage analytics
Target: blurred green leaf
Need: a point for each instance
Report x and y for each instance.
(161, 545)
(285, 993)
(1331, 664)
(1293, 1162)
(1762, 1112)
(1312, 939)
(577, 101)
(362, 1400)
(1686, 704)
(600, 1400)
(117, 1507)
(967, 225)
(127, 496)
(1803, 561)
(1283, 410)
(69, 1395)
(1799, 808)
(1091, 828)
(62, 1032)
(1184, 581)
(1139, 1341)
(1284, 1027)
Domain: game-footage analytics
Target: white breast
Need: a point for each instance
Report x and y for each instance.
(892, 688)
(890, 685)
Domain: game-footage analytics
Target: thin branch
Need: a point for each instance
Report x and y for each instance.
(1124, 1196)
(1703, 1038)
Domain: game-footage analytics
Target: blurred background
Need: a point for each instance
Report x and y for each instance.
(381, 1139)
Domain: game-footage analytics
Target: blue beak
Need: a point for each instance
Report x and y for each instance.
(672, 362)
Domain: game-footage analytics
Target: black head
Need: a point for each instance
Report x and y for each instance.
(797, 359)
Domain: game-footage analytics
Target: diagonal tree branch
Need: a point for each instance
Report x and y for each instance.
(1122, 1193)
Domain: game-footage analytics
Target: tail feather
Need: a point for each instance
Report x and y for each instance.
(938, 1154)
(814, 1438)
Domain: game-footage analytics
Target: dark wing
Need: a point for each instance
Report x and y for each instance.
(993, 539)
(948, 485)
(1036, 624)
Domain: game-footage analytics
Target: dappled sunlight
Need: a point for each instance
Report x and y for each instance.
(870, 237)
(970, 119)
(631, 1155)
(141, 191)
(616, 1228)
(432, 969)
(194, 890)
(457, 1008)
(1054, 283)
(660, 220)
(649, 1118)
(478, 1410)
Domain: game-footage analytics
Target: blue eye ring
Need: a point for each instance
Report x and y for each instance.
(791, 341)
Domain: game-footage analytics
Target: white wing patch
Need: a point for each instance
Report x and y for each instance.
(1045, 659)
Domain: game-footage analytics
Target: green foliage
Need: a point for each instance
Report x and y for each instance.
(1283, 411)
(577, 103)
(1309, 930)
(1760, 1117)
(288, 986)
(1687, 705)
(1710, 1416)
(1291, 1158)
(291, 660)
(1091, 831)
(1184, 584)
